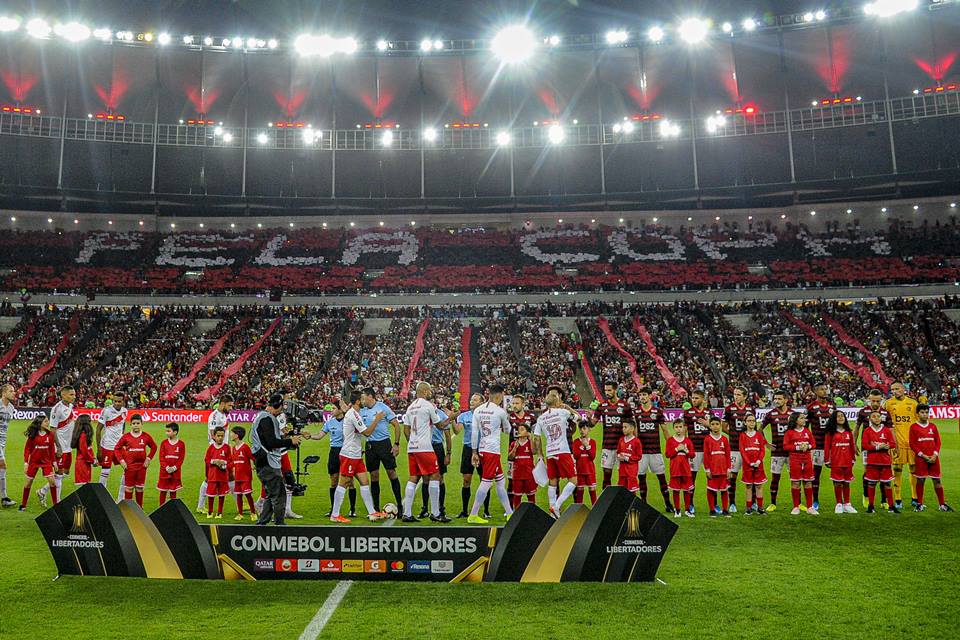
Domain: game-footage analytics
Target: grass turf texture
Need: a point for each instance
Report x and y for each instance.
(750, 577)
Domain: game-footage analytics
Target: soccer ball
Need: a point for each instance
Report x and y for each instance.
(390, 509)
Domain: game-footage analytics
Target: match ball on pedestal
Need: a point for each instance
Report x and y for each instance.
(390, 509)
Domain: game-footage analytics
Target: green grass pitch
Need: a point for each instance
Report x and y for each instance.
(780, 576)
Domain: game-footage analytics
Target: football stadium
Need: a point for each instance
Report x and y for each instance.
(330, 318)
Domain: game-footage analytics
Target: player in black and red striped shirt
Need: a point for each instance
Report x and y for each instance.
(697, 421)
(612, 411)
(734, 424)
(818, 415)
(778, 419)
(650, 423)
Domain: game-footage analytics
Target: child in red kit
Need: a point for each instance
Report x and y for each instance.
(521, 454)
(799, 443)
(753, 447)
(172, 454)
(716, 462)
(131, 451)
(585, 454)
(925, 443)
(629, 451)
(840, 452)
(217, 462)
(680, 451)
(40, 453)
(877, 440)
(241, 460)
(81, 441)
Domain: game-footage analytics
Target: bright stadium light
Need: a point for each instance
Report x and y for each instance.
(9, 24)
(347, 45)
(503, 139)
(627, 127)
(310, 136)
(554, 40)
(426, 45)
(228, 138)
(72, 31)
(238, 42)
(514, 44)
(103, 33)
(749, 24)
(262, 138)
(382, 45)
(617, 37)
(311, 45)
(556, 134)
(218, 131)
(693, 30)
(430, 134)
(38, 28)
(225, 42)
(163, 39)
(820, 15)
(438, 45)
(188, 40)
(655, 34)
(272, 43)
(208, 41)
(669, 129)
(726, 27)
(387, 138)
(888, 8)
(715, 122)
(251, 43)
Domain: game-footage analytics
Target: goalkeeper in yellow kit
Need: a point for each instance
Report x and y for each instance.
(903, 411)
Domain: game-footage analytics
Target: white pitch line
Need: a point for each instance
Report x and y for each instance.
(320, 620)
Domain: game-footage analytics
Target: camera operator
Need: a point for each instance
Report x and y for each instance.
(268, 446)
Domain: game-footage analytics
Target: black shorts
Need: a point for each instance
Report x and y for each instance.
(333, 461)
(441, 456)
(466, 461)
(379, 452)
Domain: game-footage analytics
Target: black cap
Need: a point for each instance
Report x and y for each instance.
(275, 401)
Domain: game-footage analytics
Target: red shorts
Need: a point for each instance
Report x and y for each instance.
(924, 469)
(878, 473)
(681, 483)
(63, 462)
(628, 479)
(841, 474)
(169, 482)
(524, 486)
(422, 463)
(81, 472)
(587, 480)
(562, 466)
(718, 482)
(106, 458)
(801, 470)
(216, 489)
(490, 468)
(242, 487)
(285, 463)
(32, 469)
(349, 467)
(752, 475)
(134, 476)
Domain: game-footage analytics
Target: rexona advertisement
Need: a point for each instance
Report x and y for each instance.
(619, 539)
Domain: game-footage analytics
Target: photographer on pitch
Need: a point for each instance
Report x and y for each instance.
(268, 445)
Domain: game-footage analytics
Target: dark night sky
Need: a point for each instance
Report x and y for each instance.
(397, 19)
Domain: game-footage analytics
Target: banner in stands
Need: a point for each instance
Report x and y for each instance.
(618, 539)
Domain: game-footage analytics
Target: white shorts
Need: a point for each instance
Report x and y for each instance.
(736, 462)
(3, 444)
(651, 462)
(608, 459)
(696, 462)
(818, 457)
(863, 456)
(509, 470)
(777, 463)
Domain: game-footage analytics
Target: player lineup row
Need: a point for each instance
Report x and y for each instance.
(805, 440)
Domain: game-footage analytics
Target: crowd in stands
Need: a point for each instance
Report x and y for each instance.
(552, 358)
(442, 357)
(638, 256)
(385, 358)
(498, 362)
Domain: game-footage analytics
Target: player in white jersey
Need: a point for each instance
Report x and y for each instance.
(110, 428)
(419, 420)
(490, 421)
(61, 422)
(552, 424)
(351, 459)
(7, 396)
(217, 420)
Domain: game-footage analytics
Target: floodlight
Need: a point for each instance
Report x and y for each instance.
(514, 44)
(820, 15)
(669, 129)
(272, 43)
(693, 30)
(9, 23)
(749, 24)
(228, 138)
(554, 40)
(262, 138)
(187, 40)
(102, 33)
(726, 27)
(627, 127)
(163, 39)
(73, 31)
(208, 41)
(503, 139)
(655, 34)
(382, 45)
(556, 134)
(888, 8)
(426, 45)
(387, 138)
(38, 28)
(616, 37)
(430, 134)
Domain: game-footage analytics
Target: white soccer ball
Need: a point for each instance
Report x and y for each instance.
(390, 509)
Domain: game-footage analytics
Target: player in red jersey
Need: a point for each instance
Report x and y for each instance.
(650, 424)
(716, 462)
(876, 441)
(217, 462)
(629, 454)
(521, 455)
(734, 416)
(840, 449)
(680, 452)
(172, 454)
(874, 403)
(753, 448)
(611, 412)
(132, 453)
(518, 415)
(697, 420)
(241, 461)
(925, 444)
(778, 419)
(40, 453)
(82, 438)
(585, 455)
(818, 414)
(799, 443)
